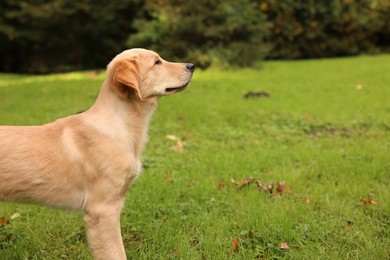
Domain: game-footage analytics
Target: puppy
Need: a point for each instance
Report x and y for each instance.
(87, 161)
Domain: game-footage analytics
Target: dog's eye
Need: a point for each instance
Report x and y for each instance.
(157, 62)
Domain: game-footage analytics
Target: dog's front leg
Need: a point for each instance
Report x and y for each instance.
(104, 234)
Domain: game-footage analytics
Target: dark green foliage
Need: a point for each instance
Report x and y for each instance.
(44, 36)
(228, 32)
(40, 36)
(312, 29)
(242, 32)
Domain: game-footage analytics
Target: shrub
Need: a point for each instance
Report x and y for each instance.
(308, 29)
(226, 32)
(44, 36)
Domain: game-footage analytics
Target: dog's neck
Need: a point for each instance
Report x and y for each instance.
(125, 120)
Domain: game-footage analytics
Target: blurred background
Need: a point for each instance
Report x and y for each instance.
(45, 36)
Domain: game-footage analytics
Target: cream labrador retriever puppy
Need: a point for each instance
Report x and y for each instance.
(87, 161)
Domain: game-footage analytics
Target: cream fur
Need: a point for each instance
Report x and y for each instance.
(87, 161)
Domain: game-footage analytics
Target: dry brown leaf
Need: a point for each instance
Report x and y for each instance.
(221, 185)
(203, 255)
(165, 219)
(283, 188)
(284, 245)
(167, 177)
(243, 182)
(265, 186)
(179, 147)
(235, 244)
(306, 200)
(191, 183)
(3, 221)
(308, 118)
(369, 201)
(251, 234)
(347, 227)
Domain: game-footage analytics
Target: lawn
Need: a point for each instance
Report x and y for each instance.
(288, 161)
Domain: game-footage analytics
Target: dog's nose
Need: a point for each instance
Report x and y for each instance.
(190, 66)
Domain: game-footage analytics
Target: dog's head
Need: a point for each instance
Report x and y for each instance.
(144, 74)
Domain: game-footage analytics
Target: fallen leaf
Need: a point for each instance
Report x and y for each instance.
(306, 200)
(349, 223)
(265, 186)
(258, 94)
(203, 255)
(179, 147)
(191, 183)
(283, 188)
(308, 118)
(369, 201)
(251, 233)
(258, 184)
(372, 202)
(346, 228)
(181, 117)
(359, 87)
(15, 215)
(172, 137)
(221, 186)
(243, 182)
(167, 177)
(235, 244)
(284, 245)
(3, 221)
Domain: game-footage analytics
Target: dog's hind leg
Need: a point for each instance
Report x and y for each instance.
(104, 234)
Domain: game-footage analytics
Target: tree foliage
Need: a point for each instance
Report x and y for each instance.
(310, 29)
(40, 36)
(228, 32)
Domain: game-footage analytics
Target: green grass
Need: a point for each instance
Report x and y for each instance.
(324, 130)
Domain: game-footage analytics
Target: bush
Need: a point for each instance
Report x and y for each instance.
(312, 29)
(44, 36)
(226, 32)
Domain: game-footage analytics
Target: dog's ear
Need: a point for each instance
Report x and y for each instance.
(125, 75)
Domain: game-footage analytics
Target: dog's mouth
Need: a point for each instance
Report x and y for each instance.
(176, 89)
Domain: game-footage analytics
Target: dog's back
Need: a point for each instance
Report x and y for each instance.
(33, 167)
